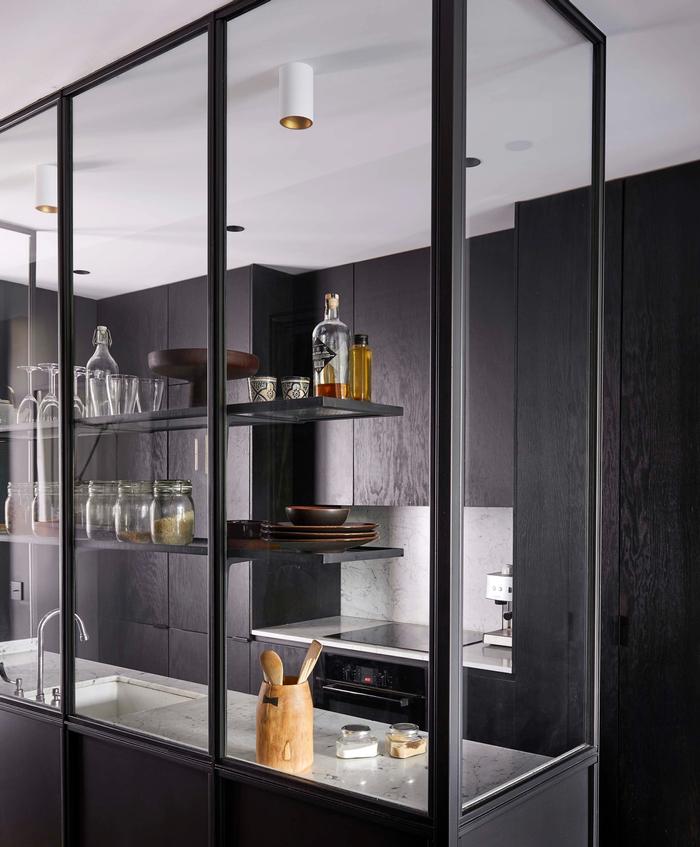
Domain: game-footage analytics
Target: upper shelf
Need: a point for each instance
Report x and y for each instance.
(306, 410)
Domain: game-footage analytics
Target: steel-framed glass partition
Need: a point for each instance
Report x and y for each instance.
(280, 191)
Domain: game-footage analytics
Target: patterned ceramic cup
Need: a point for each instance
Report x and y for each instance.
(295, 387)
(262, 388)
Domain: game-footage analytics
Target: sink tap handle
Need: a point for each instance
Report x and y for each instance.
(56, 698)
(19, 691)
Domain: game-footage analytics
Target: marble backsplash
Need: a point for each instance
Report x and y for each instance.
(399, 589)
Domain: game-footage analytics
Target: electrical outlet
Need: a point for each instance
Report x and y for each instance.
(16, 590)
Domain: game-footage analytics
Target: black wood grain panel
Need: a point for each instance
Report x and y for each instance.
(304, 825)
(187, 596)
(283, 593)
(188, 655)
(610, 553)
(392, 305)
(550, 502)
(489, 262)
(30, 781)
(134, 586)
(123, 796)
(138, 646)
(238, 337)
(660, 503)
(238, 609)
(238, 665)
(489, 708)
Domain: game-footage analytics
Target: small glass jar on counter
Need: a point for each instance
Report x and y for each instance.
(172, 512)
(46, 510)
(132, 514)
(356, 742)
(403, 741)
(80, 499)
(101, 502)
(18, 508)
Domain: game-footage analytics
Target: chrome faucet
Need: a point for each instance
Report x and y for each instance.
(82, 634)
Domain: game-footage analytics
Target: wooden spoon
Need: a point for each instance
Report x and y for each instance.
(272, 667)
(310, 660)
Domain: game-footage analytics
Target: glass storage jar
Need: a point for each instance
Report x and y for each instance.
(132, 515)
(80, 498)
(46, 509)
(102, 499)
(18, 508)
(356, 742)
(172, 512)
(403, 741)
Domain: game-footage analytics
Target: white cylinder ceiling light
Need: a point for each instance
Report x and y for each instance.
(296, 82)
(46, 189)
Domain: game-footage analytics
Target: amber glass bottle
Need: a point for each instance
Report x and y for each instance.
(360, 368)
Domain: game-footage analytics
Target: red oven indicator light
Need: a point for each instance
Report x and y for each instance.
(367, 680)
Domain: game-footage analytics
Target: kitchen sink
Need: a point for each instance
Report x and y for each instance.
(111, 697)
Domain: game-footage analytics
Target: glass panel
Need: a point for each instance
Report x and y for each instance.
(329, 187)
(140, 246)
(527, 268)
(29, 556)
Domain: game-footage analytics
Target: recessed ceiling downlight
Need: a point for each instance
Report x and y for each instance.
(472, 162)
(518, 145)
(81, 272)
(235, 228)
(296, 84)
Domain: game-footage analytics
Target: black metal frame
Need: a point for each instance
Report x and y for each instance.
(445, 814)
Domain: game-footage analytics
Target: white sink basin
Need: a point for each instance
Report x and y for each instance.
(111, 697)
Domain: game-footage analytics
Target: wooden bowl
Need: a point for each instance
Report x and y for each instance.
(318, 515)
(190, 364)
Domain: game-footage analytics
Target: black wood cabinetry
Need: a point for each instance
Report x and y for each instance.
(127, 796)
(392, 305)
(659, 682)
(30, 781)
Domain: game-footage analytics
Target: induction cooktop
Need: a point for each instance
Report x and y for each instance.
(402, 636)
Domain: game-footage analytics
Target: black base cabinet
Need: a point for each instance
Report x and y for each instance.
(30, 781)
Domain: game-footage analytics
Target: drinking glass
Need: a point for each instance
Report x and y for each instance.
(79, 405)
(99, 401)
(27, 409)
(121, 393)
(48, 408)
(150, 394)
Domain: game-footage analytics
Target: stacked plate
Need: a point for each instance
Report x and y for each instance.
(319, 538)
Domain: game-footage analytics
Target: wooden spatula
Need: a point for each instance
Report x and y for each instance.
(310, 660)
(272, 667)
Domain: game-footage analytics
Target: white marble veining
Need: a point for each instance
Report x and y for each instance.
(480, 656)
(391, 589)
(404, 782)
(488, 545)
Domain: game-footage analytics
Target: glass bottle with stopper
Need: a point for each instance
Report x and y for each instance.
(99, 365)
(330, 353)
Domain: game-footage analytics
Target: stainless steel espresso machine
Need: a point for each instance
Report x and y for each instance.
(499, 588)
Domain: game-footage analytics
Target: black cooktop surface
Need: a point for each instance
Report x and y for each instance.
(403, 636)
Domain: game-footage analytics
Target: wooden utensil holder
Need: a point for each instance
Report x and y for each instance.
(284, 726)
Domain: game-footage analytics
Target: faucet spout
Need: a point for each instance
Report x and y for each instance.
(82, 635)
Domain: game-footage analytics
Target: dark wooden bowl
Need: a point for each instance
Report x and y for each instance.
(190, 364)
(317, 515)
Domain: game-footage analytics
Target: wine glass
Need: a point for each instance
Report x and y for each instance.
(48, 408)
(27, 409)
(79, 405)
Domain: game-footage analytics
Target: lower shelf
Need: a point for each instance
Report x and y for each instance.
(237, 551)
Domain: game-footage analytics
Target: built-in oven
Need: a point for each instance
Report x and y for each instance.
(373, 689)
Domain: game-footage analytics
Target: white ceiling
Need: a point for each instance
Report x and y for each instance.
(355, 185)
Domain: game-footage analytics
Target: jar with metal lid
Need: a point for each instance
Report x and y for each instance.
(46, 510)
(356, 742)
(18, 508)
(80, 498)
(403, 741)
(132, 514)
(172, 512)
(102, 499)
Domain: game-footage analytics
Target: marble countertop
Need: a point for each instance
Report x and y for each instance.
(404, 782)
(481, 656)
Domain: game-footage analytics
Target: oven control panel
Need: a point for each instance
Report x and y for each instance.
(375, 673)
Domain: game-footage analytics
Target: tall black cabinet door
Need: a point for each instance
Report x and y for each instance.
(660, 504)
(392, 305)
